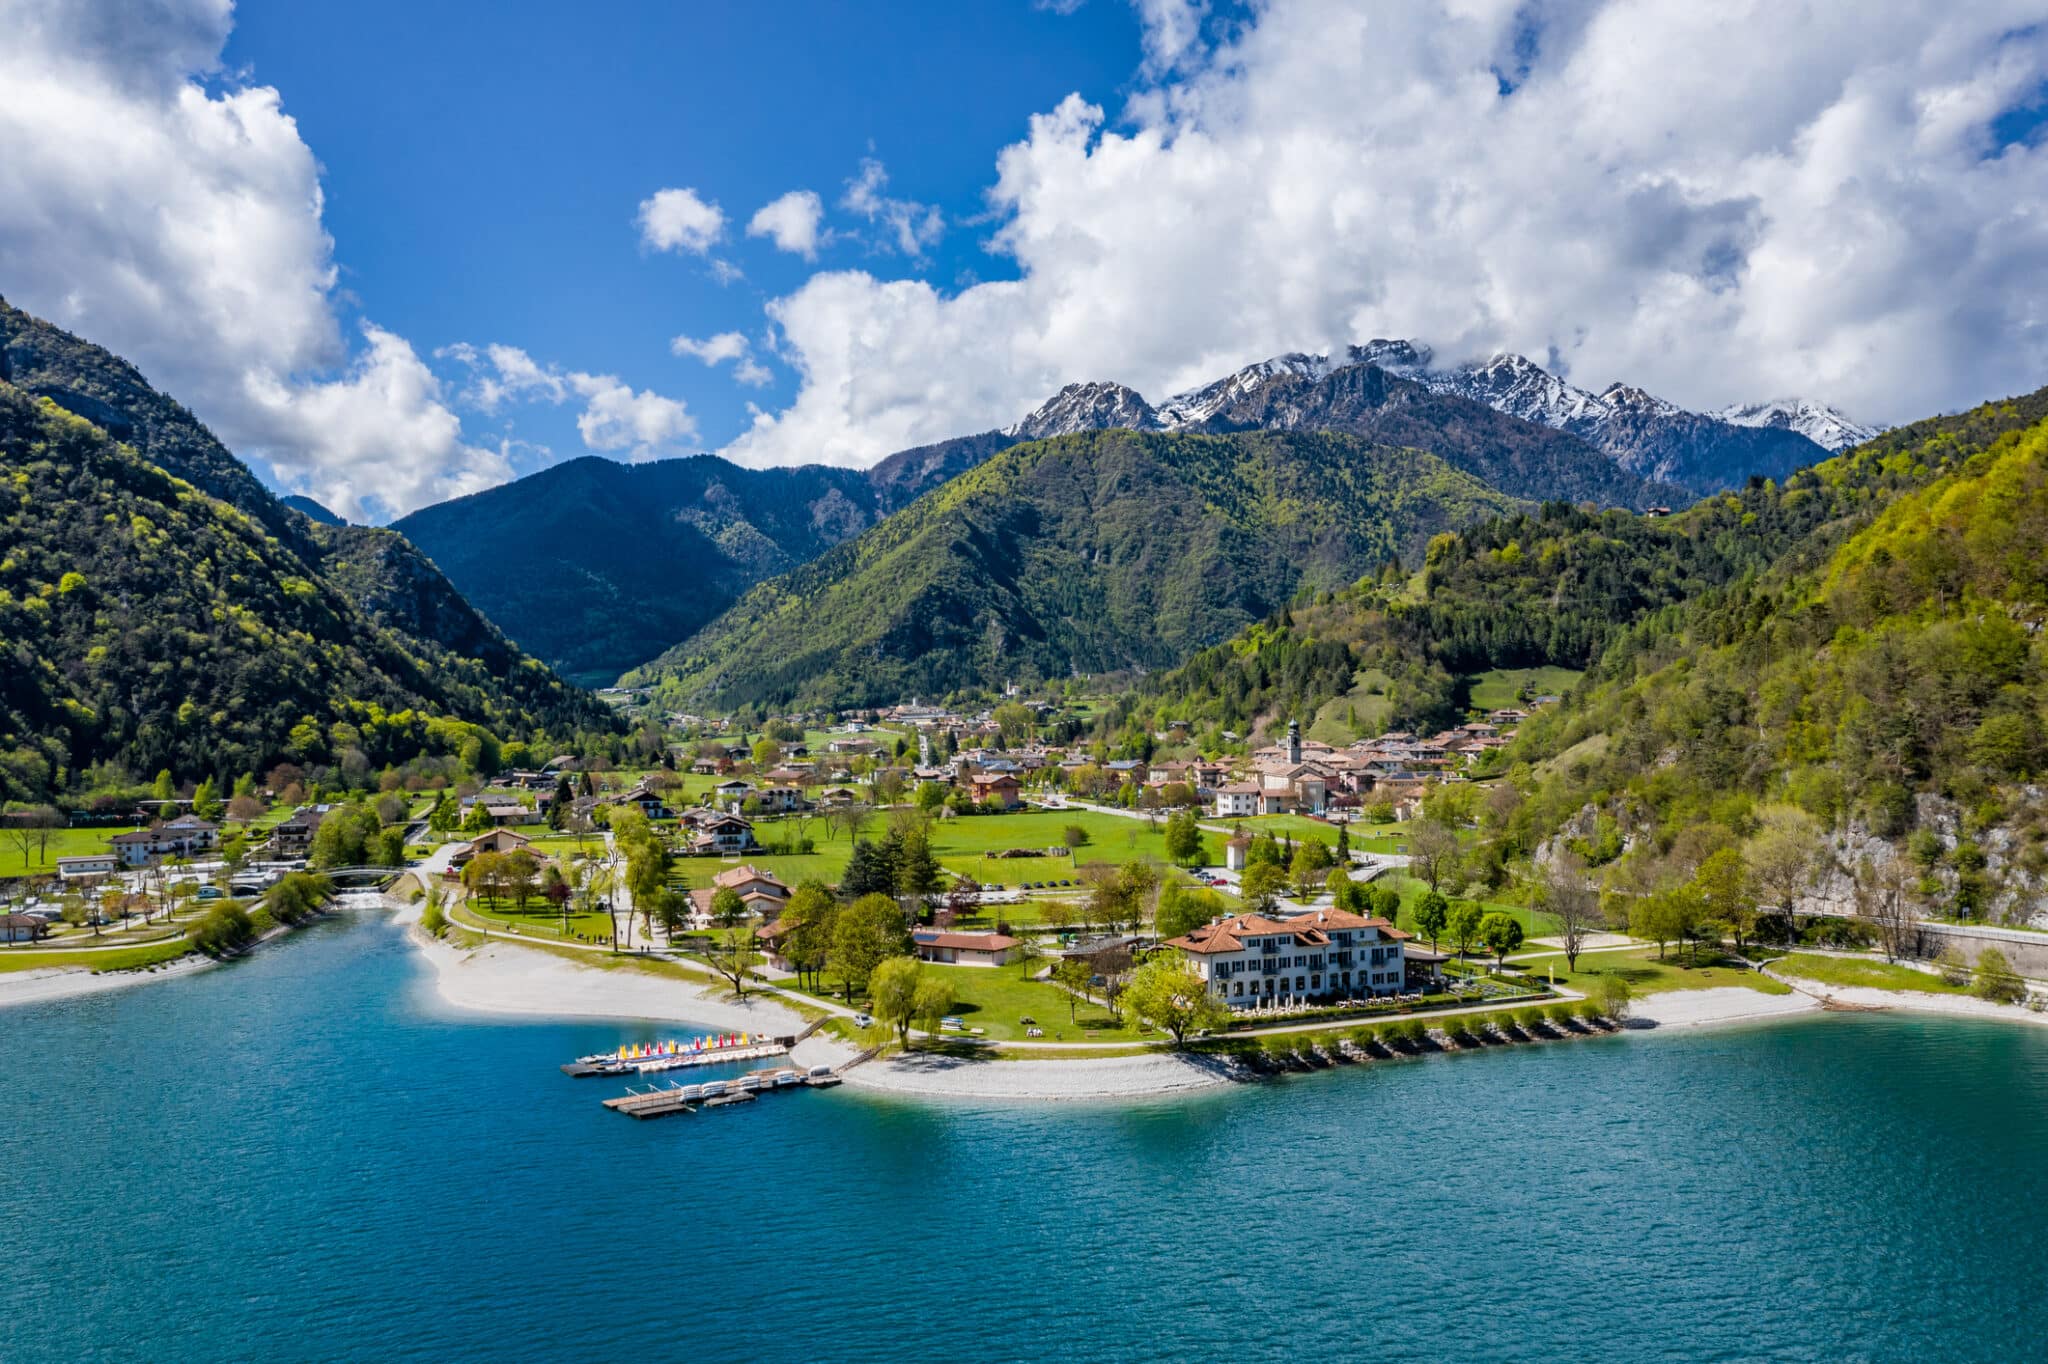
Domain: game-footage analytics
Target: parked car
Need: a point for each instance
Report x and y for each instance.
(863, 1020)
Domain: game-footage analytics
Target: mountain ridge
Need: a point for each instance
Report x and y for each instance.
(1095, 551)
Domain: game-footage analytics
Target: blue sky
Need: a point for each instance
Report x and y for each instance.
(395, 253)
(482, 173)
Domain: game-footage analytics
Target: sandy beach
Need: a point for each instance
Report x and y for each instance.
(71, 982)
(1723, 1004)
(503, 978)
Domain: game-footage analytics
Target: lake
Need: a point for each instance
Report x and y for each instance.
(304, 1156)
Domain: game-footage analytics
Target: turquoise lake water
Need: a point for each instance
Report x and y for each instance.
(305, 1157)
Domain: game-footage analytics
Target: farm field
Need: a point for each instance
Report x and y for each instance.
(1499, 689)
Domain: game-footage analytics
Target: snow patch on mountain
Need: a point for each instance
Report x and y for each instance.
(1086, 407)
(1197, 406)
(1819, 423)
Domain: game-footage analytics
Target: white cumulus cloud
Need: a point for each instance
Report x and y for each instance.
(792, 222)
(680, 220)
(181, 228)
(911, 226)
(1715, 202)
(615, 416)
(643, 423)
(726, 346)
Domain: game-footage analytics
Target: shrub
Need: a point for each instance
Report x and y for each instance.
(1560, 1014)
(1613, 997)
(1363, 1038)
(432, 919)
(224, 928)
(1587, 1010)
(1952, 967)
(1996, 980)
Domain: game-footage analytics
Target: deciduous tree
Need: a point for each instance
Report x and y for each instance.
(1166, 992)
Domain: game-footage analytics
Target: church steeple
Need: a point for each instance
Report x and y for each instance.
(1294, 741)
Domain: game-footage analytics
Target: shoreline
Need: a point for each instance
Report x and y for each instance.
(53, 984)
(507, 979)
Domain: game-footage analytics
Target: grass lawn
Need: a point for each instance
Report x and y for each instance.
(1648, 976)
(63, 843)
(1496, 690)
(540, 919)
(827, 864)
(995, 998)
(11, 960)
(1873, 974)
(962, 843)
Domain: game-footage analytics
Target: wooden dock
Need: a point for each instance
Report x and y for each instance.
(675, 1098)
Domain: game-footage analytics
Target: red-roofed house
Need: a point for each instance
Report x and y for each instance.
(1251, 961)
(964, 949)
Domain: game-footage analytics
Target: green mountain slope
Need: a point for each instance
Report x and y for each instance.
(596, 566)
(1902, 658)
(1091, 552)
(151, 623)
(1555, 587)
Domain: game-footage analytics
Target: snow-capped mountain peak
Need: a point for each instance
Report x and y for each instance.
(1621, 397)
(1199, 405)
(1404, 358)
(1085, 407)
(1818, 422)
(1520, 387)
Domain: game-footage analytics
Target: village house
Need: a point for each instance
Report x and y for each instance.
(1132, 770)
(650, 802)
(86, 866)
(499, 840)
(1237, 852)
(499, 809)
(1237, 800)
(761, 892)
(732, 793)
(21, 928)
(293, 836)
(722, 834)
(185, 836)
(964, 949)
(1000, 787)
(1250, 961)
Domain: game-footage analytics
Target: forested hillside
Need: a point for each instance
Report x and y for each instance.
(149, 623)
(1896, 660)
(1838, 649)
(1091, 552)
(596, 566)
(1555, 586)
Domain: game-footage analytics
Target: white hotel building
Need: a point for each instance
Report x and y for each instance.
(1250, 961)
